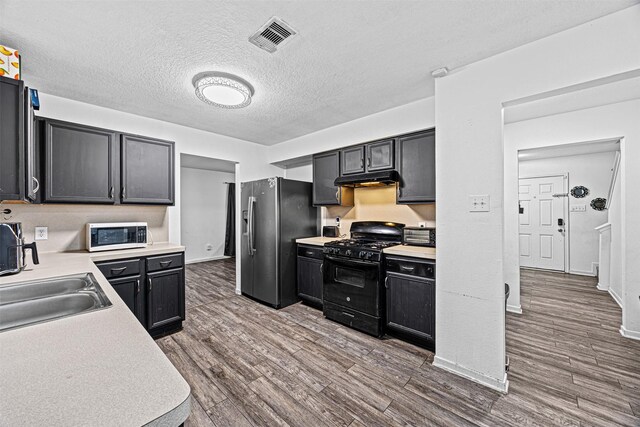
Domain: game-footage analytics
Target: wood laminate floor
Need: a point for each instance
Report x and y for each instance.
(250, 365)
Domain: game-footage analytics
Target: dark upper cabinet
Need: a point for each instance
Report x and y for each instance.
(410, 301)
(12, 149)
(147, 171)
(309, 274)
(416, 161)
(371, 157)
(326, 168)
(380, 155)
(80, 163)
(352, 160)
(165, 297)
(131, 290)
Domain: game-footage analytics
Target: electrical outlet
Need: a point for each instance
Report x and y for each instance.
(42, 233)
(209, 247)
(479, 203)
(422, 224)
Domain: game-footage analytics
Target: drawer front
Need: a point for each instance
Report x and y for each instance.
(411, 267)
(114, 269)
(310, 251)
(164, 262)
(363, 322)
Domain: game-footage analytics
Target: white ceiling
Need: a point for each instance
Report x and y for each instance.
(350, 59)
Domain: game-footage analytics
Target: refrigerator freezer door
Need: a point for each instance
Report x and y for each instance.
(265, 232)
(247, 259)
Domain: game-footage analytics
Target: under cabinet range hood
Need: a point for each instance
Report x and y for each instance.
(368, 179)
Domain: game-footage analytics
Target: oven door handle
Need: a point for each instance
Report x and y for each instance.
(351, 261)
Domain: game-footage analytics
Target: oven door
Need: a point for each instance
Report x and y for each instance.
(352, 283)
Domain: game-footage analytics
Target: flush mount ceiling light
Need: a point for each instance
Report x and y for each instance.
(223, 90)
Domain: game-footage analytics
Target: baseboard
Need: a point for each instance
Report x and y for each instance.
(238, 292)
(582, 273)
(615, 297)
(514, 309)
(634, 335)
(213, 258)
(499, 385)
(602, 287)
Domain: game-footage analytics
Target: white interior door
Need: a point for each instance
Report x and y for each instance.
(542, 223)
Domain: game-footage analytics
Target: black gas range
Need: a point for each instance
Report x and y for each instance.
(353, 275)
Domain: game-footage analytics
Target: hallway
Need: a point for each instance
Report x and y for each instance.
(566, 350)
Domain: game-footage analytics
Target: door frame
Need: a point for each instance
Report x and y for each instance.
(565, 210)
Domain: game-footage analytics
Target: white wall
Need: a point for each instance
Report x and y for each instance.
(470, 160)
(250, 157)
(592, 171)
(302, 172)
(204, 212)
(407, 118)
(616, 255)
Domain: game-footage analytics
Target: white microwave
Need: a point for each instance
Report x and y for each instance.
(108, 236)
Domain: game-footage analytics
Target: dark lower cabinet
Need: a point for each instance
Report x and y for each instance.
(131, 290)
(416, 166)
(165, 298)
(153, 288)
(309, 274)
(411, 300)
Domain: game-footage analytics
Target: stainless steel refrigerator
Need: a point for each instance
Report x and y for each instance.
(275, 212)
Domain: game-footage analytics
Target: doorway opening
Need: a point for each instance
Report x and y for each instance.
(207, 208)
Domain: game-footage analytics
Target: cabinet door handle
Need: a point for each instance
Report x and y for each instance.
(138, 286)
(37, 183)
(338, 194)
(124, 193)
(111, 192)
(386, 279)
(368, 162)
(164, 264)
(321, 268)
(118, 270)
(405, 268)
(150, 284)
(361, 163)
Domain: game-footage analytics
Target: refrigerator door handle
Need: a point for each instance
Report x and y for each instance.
(251, 225)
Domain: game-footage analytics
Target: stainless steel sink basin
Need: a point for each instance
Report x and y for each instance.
(28, 303)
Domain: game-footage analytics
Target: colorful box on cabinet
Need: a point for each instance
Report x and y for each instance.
(9, 62)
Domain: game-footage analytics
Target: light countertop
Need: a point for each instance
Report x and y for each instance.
(402, 250)
(96, 368)
(412, 251)
(317, 241)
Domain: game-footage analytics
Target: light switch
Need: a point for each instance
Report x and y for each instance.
(42, 233)
(479, 203)
(578, 208)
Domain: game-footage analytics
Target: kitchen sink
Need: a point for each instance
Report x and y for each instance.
(28, 303)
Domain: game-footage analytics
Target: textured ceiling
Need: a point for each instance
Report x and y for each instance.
(350, 59)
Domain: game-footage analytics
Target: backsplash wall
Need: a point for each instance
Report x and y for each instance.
(67, 223)
(378, 204)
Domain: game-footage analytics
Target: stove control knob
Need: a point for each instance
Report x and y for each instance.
(348, 252)
(369, 255)
(362, 254)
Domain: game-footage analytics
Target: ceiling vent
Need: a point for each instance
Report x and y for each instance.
(272, 35)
